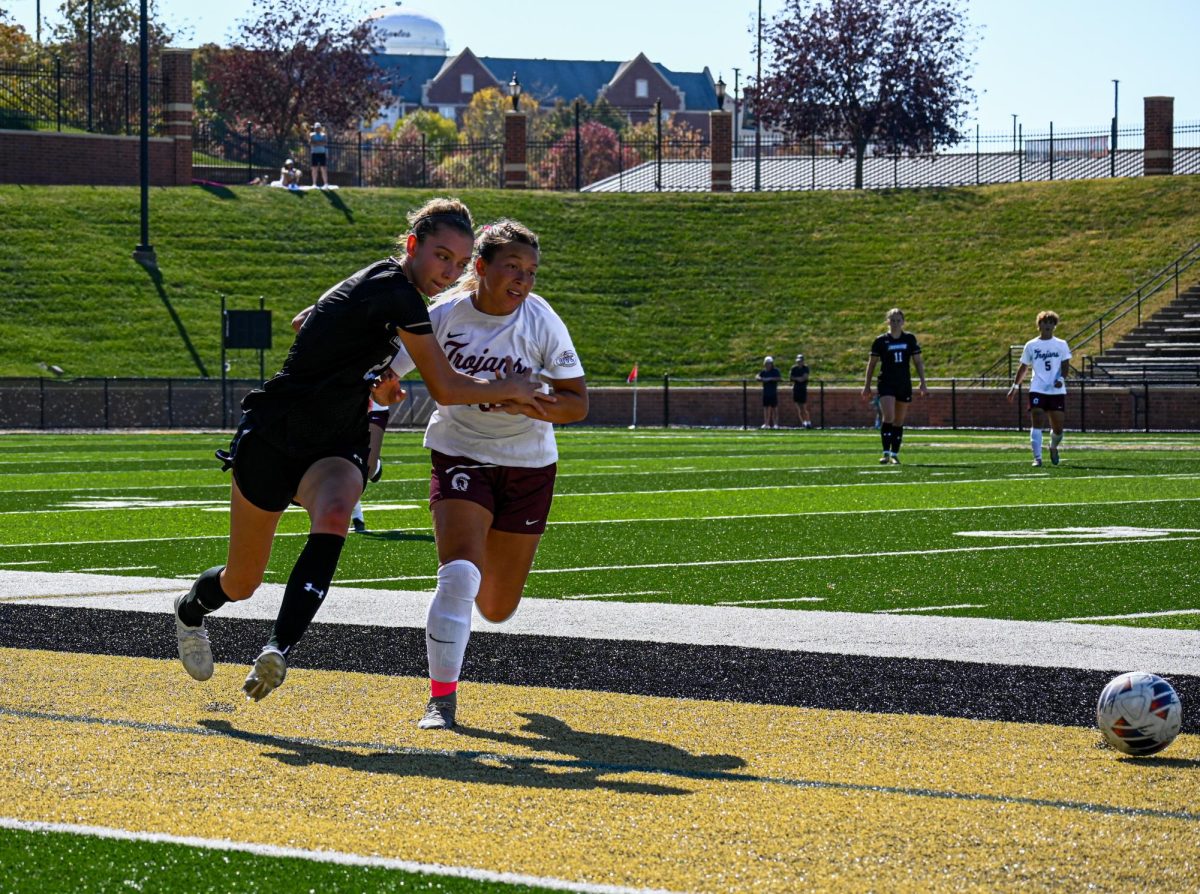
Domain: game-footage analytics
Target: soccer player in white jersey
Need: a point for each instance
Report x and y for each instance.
(493, 464)
(1049, 358)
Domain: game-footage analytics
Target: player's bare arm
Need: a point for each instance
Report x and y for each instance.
(920, 365)
(298, 320)
(866, 392)
(448, 386)
(1017, 380)
(572, 405)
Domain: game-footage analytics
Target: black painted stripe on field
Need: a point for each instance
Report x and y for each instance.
(977, 691)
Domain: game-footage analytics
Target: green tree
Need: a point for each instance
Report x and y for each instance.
(483, 119)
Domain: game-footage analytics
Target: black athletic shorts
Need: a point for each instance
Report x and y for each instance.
(902, 393)
(1049, 402)
(269, 477)
(800, 394)
(317, 160)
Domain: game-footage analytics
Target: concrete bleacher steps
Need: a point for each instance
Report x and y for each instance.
(1166, 346)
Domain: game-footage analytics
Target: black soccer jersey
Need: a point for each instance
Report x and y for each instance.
(320, 396)
(894, 355)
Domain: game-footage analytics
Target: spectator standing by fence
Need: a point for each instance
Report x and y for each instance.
(799, 377)
(770, 377)
(318, 142)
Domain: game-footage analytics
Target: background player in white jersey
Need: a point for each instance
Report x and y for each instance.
(493, 465)
(304, 433)
(1049, 359)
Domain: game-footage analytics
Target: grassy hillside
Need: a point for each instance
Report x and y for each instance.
(697, 285)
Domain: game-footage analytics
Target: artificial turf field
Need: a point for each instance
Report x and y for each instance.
(747, 661)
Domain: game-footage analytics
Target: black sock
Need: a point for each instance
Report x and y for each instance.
(897, 437)
(885, 435)
(306, 589)
(206, 596)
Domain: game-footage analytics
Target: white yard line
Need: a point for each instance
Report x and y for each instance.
(657, 520)
(772, 601)
(324, 856)
(1177, 611)
(609, 595)
(981, 640)
(928, 608)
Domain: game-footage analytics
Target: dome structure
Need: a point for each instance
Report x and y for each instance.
(405, 32)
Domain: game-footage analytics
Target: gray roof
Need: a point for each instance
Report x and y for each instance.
(547, 79)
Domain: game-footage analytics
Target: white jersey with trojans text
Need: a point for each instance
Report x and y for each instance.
(532, 338)
(1045, 358)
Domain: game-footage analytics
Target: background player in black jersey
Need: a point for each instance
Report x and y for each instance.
(304, 437)
(892, 352)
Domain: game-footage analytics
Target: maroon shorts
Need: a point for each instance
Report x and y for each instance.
(1049, 402)
(518, 498)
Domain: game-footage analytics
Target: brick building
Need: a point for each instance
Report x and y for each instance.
(414, 54)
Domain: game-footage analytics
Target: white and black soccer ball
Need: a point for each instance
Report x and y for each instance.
(1139, 714)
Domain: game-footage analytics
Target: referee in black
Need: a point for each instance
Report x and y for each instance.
(892, 352)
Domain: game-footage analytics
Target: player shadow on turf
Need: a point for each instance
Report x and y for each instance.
(490, 768)
(1176, 763)
(394, 535)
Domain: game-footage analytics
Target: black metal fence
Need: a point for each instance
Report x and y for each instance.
(54, 97)
(223, 155)
(774, 162)
(1150, 405)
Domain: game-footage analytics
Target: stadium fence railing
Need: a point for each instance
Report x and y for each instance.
(49, 404)
(50, 96)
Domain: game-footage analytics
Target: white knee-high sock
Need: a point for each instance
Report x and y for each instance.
(1035, 439)
(448, 626)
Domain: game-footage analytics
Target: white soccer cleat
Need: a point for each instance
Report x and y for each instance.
(1037, 463)
(195, 651)
(269, 670)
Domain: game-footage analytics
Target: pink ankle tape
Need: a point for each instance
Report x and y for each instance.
(437, 690)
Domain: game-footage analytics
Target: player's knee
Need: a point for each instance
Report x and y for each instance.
(497, 614)
(332, 516)
(240, 586)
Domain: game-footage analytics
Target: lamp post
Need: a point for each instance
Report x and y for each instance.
(144, 253)
(1014, 118)
(1112, 156)
(758, 104)
(514, 90)
(90, 41)
(720, 88)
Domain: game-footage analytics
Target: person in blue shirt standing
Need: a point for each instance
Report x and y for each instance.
(318, 142)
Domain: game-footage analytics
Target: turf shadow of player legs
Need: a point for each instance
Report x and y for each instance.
(605, 753)
(457, 765)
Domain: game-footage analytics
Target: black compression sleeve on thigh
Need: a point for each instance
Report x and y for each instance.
(206, 596)
(306, 589)
(897, 437)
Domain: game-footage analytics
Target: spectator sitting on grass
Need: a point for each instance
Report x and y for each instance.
(289, 175)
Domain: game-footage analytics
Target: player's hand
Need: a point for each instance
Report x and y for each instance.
(522, 390)
(387, 388)
(924, 391)
(866, 393)
(1058, 383)
(298, 320)
(1012, 393)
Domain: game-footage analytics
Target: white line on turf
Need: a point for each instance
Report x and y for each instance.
(1176, 611)
(772, 601)
(325, 856)
(928, 608)
(34, 562)
(950, 638)
(608, 595)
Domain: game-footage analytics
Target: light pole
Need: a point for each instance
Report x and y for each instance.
(90, 32)
(144, 253)
(1014, 118)
(720, 88)
(758, 105)
(1112, 156)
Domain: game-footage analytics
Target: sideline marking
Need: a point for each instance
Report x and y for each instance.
(770, 601)
(1175, 611)
(625, 521)
(1081, 533)
(928, 608)
(323, 856)
(623, 593)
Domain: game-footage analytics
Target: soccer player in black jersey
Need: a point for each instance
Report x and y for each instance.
(303, 436)
(892, 352)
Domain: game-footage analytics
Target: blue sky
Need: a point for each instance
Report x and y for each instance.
(1044, 60)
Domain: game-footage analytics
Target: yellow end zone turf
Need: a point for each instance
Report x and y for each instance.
(592, 787)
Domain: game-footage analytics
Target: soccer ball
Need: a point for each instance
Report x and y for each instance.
(1139, 714)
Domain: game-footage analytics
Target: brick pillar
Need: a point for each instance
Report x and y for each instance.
(1158, 156)
(720, 132)
(177, 109)
(516, 167)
